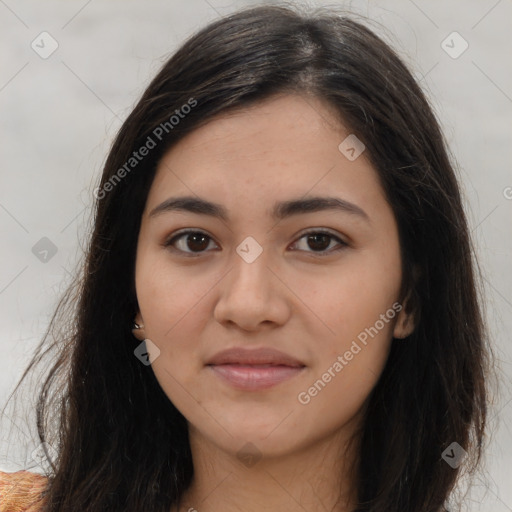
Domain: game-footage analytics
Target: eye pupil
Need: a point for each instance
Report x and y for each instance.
(199, 239)
(196, 242)
(318, 241)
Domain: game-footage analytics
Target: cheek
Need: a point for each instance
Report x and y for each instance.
(359, 304)
(350, 361)
(166, 292)
(175, 304)
(162, 295)
(351, 297)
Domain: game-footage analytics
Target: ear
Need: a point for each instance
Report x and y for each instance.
(405, 323)
(139, 333)
(408, 316)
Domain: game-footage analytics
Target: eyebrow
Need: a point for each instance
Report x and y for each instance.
(280, 210)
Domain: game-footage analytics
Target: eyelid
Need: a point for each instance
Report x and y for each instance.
(185, 231)
(323, 231)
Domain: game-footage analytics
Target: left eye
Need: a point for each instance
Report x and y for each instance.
(320, 241)
(196, 242)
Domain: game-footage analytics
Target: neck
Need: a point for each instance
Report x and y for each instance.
(318, 478)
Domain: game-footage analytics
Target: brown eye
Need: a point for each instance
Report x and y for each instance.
(190, 242)
(194, 243)
(321, 242)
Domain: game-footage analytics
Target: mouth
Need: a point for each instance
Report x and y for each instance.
(255, 377)
(254, 369)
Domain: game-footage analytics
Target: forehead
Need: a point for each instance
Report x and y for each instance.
(287, 146)
(277, 126)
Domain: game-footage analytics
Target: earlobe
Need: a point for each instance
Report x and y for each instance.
(405, 324)
(406, 320)
(138, 328)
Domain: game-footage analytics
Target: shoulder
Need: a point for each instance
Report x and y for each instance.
(21, 491)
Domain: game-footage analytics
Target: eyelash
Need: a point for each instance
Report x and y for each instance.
(176, 236)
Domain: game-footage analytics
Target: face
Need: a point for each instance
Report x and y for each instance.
(299, 253)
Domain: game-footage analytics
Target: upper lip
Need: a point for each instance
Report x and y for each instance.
(246, 356)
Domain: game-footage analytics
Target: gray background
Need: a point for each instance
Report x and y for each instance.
(60, 114)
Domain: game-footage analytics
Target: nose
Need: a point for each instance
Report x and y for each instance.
(252, 295)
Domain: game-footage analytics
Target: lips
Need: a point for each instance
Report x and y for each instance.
(253, 370)
(262, 356)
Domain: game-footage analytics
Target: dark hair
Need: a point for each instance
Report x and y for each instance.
(122, 445)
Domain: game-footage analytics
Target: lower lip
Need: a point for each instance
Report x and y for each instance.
(255, 377)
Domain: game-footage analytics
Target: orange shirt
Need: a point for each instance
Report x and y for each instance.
(21, 491)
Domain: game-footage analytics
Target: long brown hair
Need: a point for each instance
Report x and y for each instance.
(122, 445)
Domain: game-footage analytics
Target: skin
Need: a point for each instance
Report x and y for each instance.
(291, 298)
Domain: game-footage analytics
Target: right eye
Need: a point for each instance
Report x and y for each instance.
(189, 242)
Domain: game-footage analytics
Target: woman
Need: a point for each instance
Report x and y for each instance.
(278, 309)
